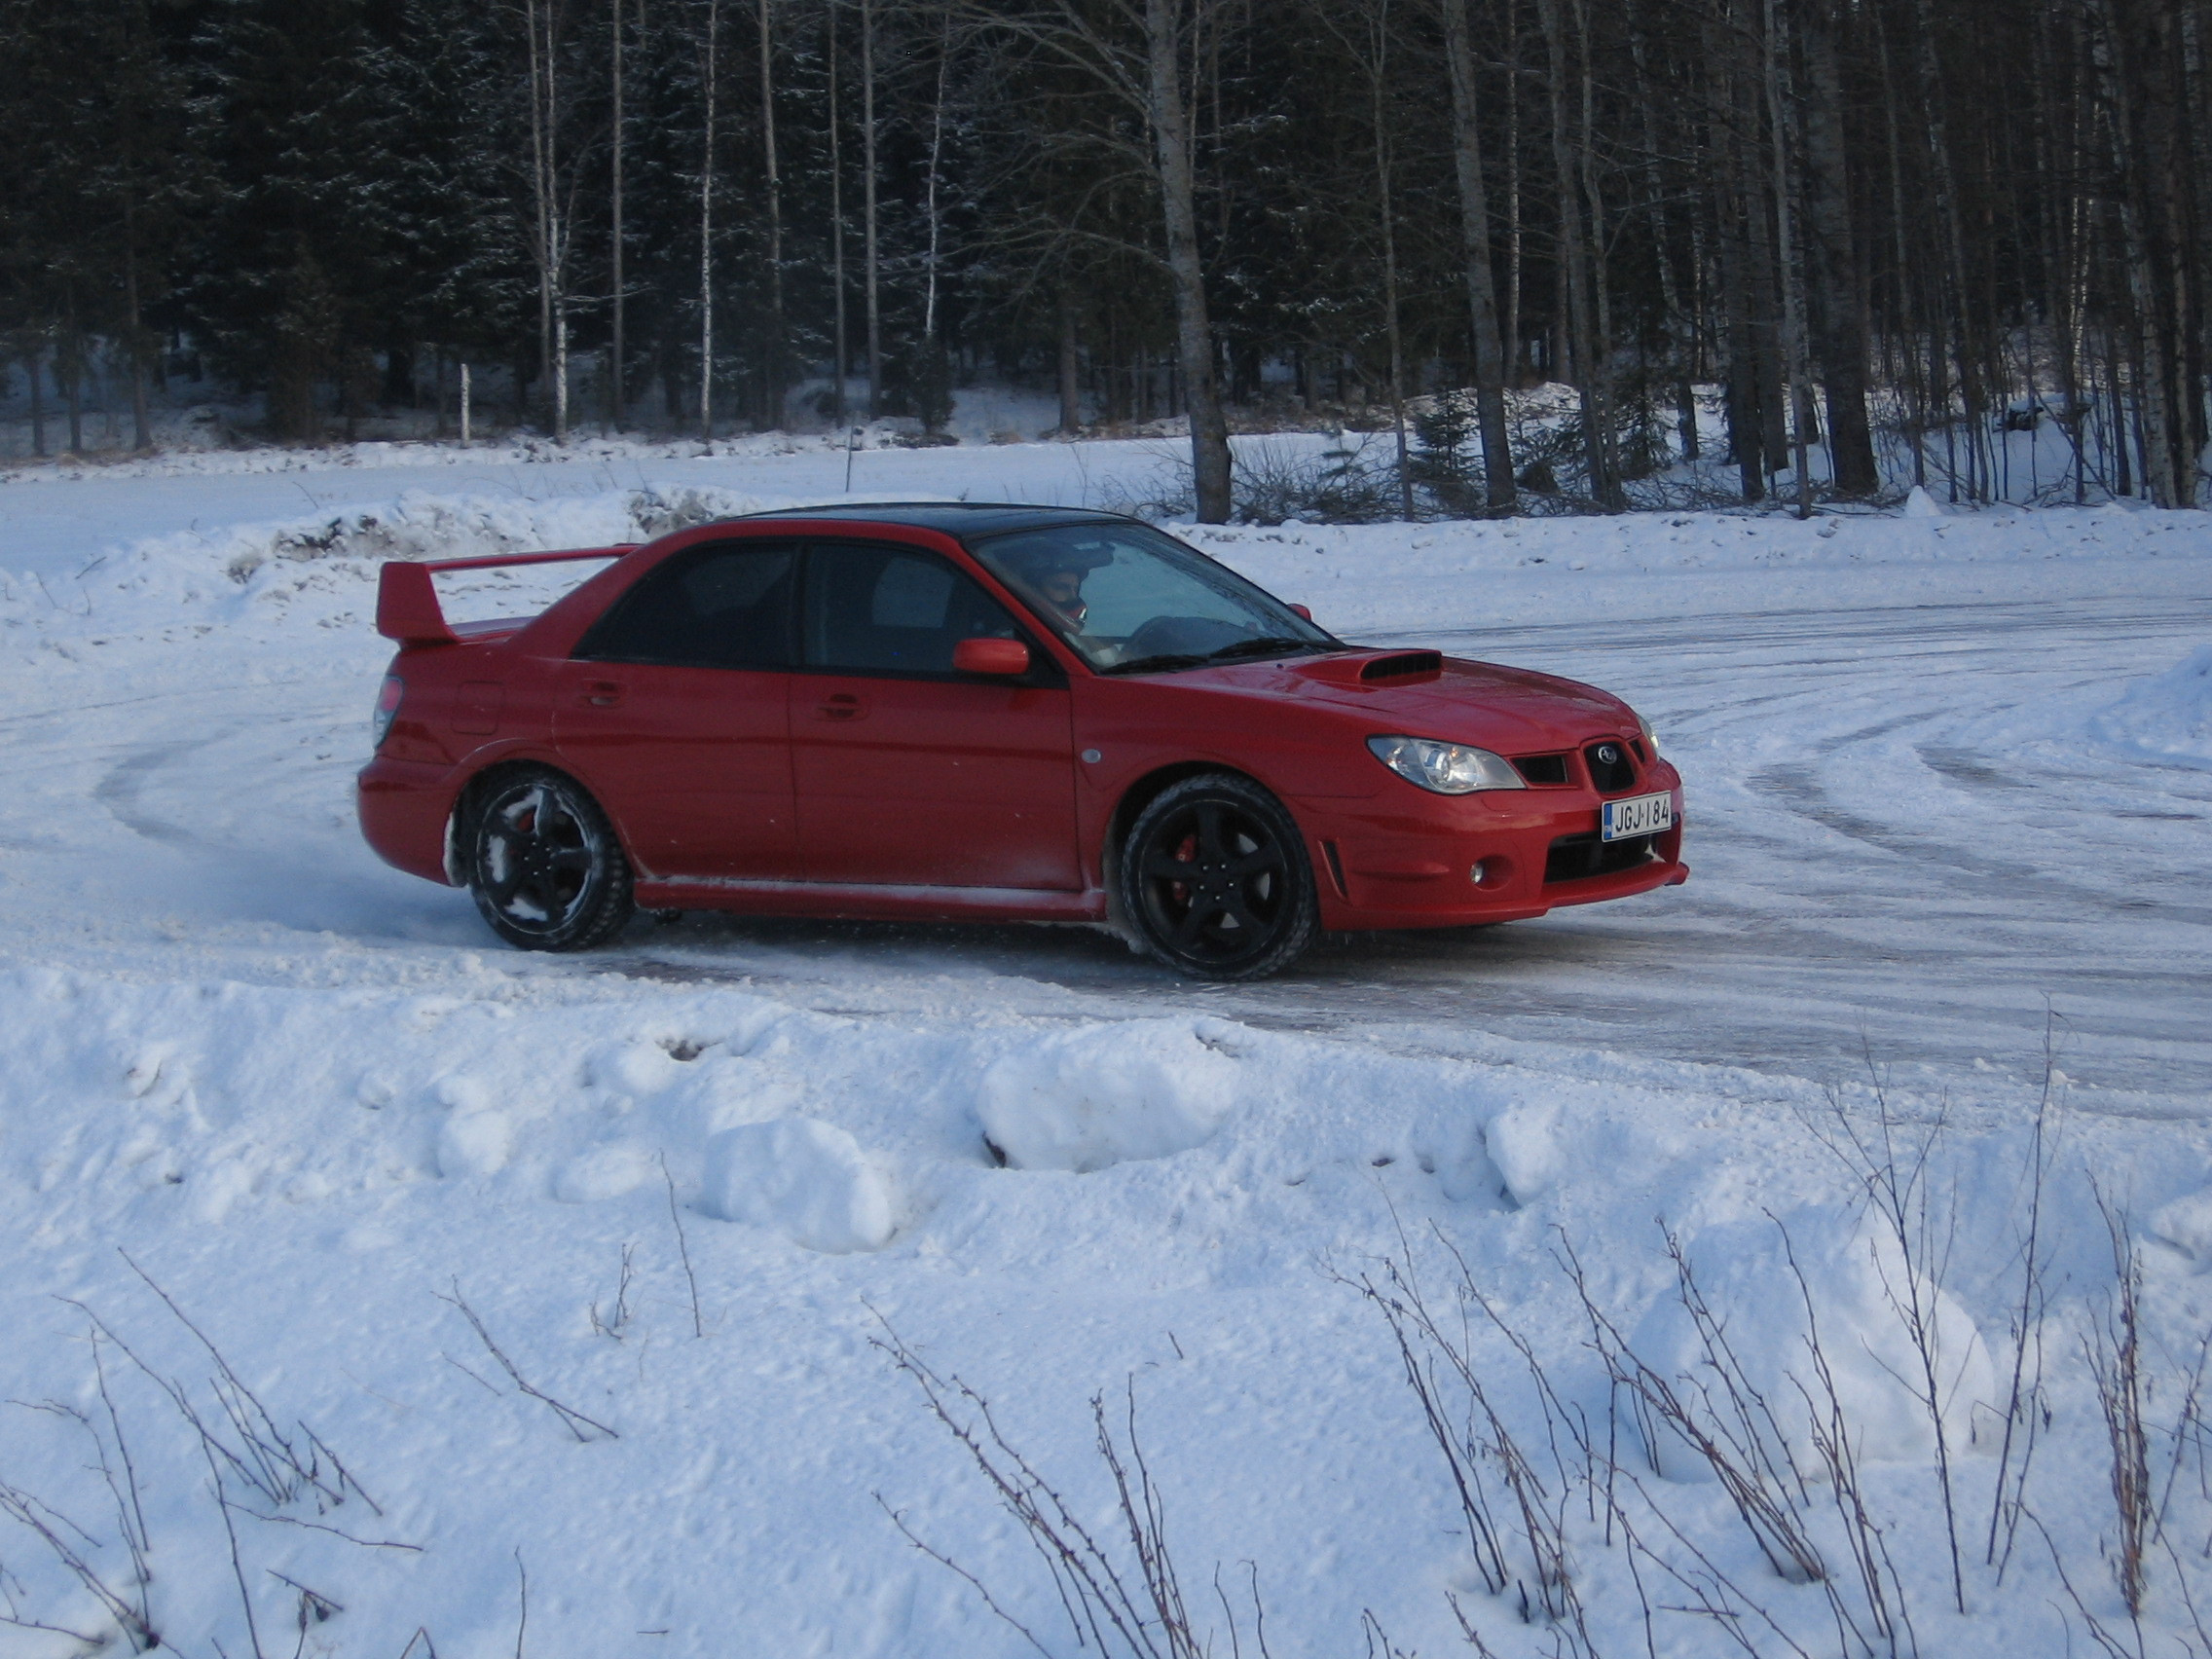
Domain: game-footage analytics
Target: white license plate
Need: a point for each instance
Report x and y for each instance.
(1643, 815)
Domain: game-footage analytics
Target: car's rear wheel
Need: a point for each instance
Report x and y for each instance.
(544, 866)
(1216, 880)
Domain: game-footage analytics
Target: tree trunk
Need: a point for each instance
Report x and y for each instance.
(1601, 280)
(1746, 440)
(615, 350)
(707, 234)
(72, 363)
(1513, 234)
(772, 359)
(1377, 84)
(142, 436)
(1604, 486)
(868, 165)
(1785, 261)
(34, 365)
(1070, 367)
(2132, 136)
(1679, 321)
(552, 229)
(840, 351)
(1950, 320)
(936, 399)
(1482, 287)
(1838, 289)
(1194, 332)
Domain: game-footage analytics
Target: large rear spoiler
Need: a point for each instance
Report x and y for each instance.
(407, 601)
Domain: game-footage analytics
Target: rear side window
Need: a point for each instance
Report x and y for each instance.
(722, 605)
(893, 611)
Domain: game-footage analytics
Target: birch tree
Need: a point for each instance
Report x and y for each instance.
(553, 186)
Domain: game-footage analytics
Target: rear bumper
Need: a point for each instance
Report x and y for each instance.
(1478, 859)
(404, 807)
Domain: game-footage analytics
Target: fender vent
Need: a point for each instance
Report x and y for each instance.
(1406, 665)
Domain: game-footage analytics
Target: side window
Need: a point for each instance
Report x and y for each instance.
(725, 605)
(890, 610)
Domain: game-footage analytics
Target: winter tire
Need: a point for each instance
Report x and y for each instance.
(1215, 880)
(544, 866)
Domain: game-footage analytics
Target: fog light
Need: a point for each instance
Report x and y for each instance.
(1475, 875)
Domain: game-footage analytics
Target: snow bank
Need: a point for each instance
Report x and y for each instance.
(2185, 1222)
(2166, 718)
(1815, 1310)
(1522, 1142)
(805, 1179)
(1085, 1099)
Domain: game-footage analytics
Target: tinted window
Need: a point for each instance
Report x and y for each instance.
(716, 607)
(886, 610)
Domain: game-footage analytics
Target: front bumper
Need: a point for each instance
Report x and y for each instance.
(1441, 862)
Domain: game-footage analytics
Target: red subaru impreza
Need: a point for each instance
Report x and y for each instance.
(999, 712)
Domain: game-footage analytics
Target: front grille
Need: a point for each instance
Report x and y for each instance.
(1577, 858)
(1541, 768)
(1611, 770)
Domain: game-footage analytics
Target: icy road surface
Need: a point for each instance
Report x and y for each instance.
(1950, 788)
(1868, 870)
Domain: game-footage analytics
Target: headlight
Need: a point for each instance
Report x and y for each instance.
(1445, 768)
(1650, 737)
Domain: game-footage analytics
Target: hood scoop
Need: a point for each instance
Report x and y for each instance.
(1376, 669)
(1402, 666)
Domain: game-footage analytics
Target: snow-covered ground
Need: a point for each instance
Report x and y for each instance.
(1949, 783)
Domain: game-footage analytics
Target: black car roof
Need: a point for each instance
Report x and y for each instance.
(965, 520)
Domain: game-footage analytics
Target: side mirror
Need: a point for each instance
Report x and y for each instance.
(1301, 611)
(990, 656)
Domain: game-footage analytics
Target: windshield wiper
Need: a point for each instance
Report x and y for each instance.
(1262, 646)
(1159, 663)
(1166, 661)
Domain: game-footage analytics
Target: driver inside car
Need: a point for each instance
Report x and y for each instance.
(1051, 580)
(1063, 590)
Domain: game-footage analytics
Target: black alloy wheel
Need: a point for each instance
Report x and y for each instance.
(1215, 878)
(544, 866)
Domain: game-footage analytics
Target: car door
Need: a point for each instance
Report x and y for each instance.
(673, 708)
(905, 771)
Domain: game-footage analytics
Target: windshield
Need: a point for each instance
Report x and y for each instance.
(1132, 600)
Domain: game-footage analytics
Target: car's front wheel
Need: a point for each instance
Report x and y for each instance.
(1216, 880)
(544, 866)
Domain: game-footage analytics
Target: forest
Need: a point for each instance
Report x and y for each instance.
(1874, 236)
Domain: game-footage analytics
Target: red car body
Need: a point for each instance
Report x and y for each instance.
(801, 792)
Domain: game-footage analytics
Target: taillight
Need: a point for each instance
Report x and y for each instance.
(387, 706)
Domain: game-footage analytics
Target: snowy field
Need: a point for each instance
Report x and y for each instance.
(1949, 780)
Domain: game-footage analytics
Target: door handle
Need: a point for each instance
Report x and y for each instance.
(841, 706)
(603, 693)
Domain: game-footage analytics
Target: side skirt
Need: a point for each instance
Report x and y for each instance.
(860, 902)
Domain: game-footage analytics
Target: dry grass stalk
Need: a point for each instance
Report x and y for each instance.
(1893, 1175)
(2113, 1349)
(1128, 1607)
(1889, 1619)
(2026, 1412)
(683, 1248)
(49, 1525)
(571, 1419)
(617, 1320)
(1480, 1436)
